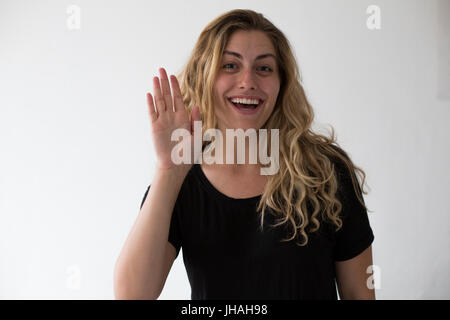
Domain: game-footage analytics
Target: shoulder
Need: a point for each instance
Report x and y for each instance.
(193, 185)
(341, 161)
(348, 185)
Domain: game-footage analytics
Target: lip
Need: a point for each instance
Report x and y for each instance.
(246, 97)
(247, 112)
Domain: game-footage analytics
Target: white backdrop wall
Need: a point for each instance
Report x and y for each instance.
(75, 146)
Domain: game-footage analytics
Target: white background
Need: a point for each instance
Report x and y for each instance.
(75, 145)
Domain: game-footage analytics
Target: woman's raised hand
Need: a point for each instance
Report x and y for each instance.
(166, 115)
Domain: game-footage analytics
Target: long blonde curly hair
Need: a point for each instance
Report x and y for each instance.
(306, 174)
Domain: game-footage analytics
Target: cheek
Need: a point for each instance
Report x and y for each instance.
(269, 111)
(219, 96)
(271, 87)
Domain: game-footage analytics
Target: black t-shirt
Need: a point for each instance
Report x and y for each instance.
(227, 256)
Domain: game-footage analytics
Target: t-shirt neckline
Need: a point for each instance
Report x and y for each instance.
(216, 192)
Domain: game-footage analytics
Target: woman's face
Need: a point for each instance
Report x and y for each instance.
(248, 69)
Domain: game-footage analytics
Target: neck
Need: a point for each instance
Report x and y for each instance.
(236, 156)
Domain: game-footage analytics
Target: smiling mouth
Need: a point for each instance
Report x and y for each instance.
(246, 107)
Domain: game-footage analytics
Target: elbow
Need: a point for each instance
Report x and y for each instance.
(125, 290)
(366, 294)
(124, 295)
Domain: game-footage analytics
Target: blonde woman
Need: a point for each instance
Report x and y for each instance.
(294, 234)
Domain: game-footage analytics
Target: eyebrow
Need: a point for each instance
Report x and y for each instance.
(262, 56)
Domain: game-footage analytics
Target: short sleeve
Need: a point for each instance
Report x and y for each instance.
(174, 230)
(356, 234)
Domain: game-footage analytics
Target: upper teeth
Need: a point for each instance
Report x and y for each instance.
(245, 101)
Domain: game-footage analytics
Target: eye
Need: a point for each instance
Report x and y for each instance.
(228, 64)
(269, 69)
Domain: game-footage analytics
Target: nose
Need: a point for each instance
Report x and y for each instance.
(247, 79)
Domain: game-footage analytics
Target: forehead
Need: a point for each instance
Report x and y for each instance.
(250, 43)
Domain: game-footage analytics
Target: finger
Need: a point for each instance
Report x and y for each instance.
(196, 113)
(177, 97)
(159, 100)
(166, 89)
(191, 118)
(151, 107)
(194, 116)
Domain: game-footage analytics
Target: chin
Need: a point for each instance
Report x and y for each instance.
(245, 125)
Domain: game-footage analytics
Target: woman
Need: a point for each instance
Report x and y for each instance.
(289, 235)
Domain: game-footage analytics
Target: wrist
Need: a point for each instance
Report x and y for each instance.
(174, 172)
